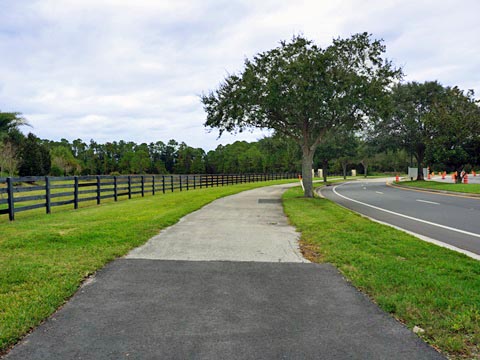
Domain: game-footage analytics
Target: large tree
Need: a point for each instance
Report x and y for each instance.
(407, 125)
(302, 91)
(341, 145)
(36, 159)
(455, 120)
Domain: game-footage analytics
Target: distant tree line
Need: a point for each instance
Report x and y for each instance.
(30, 156)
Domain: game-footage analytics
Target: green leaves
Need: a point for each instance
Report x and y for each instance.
(433, 122)
(303, 91)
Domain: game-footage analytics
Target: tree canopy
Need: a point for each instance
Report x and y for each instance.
(302, 91)
(10, 121)
(455, 120)
(430, 121)
(406, 126)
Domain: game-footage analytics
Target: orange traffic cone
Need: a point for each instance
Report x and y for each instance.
(429, 177)
(465, 179)
(397, 179)
(443, 175)
(474, 173)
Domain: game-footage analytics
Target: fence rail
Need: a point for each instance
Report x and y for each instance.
(19, 194)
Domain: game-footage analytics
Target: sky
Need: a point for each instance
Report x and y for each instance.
(112, 70)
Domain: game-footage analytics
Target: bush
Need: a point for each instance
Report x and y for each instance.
(56, 171)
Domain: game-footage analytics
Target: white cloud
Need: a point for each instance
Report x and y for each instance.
(117, 69)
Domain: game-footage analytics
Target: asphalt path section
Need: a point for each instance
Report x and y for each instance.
(279, 308)
(449, 219)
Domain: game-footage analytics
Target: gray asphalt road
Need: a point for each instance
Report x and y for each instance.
(450, 219)
(226, 282)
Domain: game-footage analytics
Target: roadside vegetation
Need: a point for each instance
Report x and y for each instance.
(419, 283)
(436, 185)
(44, 259)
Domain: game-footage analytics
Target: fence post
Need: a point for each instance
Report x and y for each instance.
(216, 177)
(75, 192)
(115, 188)
(187, 182)
(200, 181)
(163, 183)
(171, 182)
(98, 190)
(129, 187)
(180, 181)
(194, 182)
(153, 184)
(11, 201)
(143, 185)
(47, 194)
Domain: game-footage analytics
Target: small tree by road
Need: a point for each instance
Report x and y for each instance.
(302, 91)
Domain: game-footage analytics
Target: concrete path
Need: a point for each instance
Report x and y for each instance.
(265, 304)
(249, 226)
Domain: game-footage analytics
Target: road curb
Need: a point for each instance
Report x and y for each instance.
(444, 192)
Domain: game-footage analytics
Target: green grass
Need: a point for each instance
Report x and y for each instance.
(436, 185)
(419, 283)
(44, 258)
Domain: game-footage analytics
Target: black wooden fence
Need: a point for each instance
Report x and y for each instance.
(27, 193)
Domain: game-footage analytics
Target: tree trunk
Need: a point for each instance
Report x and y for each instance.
(420, 176)
(419, 155)
(307, 161)
(365, 168)
(459, 178)
(324, 170)
(344, 168)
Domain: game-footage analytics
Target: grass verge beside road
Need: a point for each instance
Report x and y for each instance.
(419, 283)
(43, 259)
(436, 185)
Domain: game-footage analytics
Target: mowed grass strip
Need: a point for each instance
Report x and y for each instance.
(436, 185)
(419, 283)
(44, 258)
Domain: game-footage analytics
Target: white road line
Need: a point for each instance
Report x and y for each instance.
(379, 192)
(406, 216)
(428, 202)
(427, 239)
